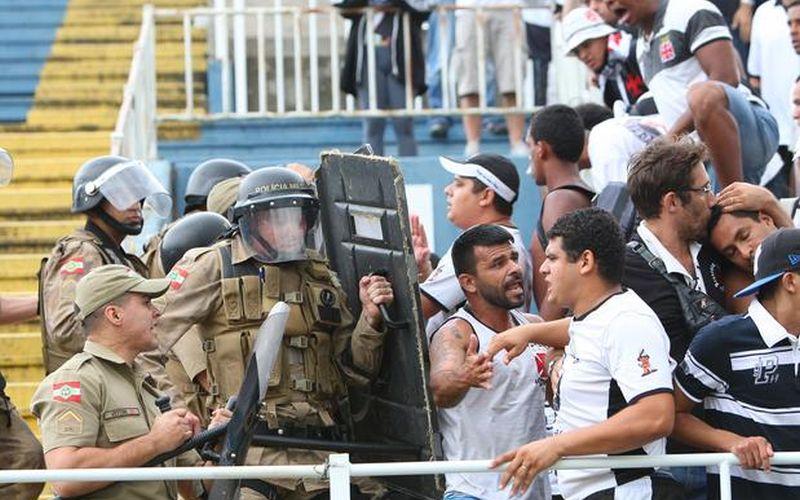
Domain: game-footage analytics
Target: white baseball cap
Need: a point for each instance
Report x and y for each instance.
(583, 24)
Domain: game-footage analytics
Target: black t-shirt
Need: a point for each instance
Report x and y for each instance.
(662, 298)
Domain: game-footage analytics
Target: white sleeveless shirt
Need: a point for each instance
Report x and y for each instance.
(488, 422)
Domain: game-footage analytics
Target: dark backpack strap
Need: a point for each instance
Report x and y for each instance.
(654, 262)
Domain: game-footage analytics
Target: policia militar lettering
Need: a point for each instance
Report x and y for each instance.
(110, 190)
(228, 289)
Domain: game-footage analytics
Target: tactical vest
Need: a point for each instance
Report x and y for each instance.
(305, 374)
(107, 255)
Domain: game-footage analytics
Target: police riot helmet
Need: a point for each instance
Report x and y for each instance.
(276, 210)
(123, 183)
(6, 167)
(206, 175)
(200, 229)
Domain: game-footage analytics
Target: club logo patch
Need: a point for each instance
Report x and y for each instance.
(666, 50)
(644, 363)
(67, 392)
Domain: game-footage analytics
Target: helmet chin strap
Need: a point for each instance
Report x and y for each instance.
(129, 229)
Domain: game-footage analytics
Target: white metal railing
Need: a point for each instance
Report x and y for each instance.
(134, 135)
(338, 470)
(301, 95)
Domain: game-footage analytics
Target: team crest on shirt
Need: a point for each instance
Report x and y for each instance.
(176, 277)
(766, 371)
(644, 363)
(666, 50)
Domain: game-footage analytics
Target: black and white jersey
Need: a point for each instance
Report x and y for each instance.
(618, 353)
(744, 370)
(442, 285)
(666, 55)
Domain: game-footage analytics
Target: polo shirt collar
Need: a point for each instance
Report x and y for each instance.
(672, 265)
(103, 352)
(771, 331)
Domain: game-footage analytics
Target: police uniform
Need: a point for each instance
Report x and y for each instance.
(73, 256)
(19, 449)
(97, 400)
(186, 358)
(227, 294)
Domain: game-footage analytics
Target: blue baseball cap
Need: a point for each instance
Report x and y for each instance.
(779, 253)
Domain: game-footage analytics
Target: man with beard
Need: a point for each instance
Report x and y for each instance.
(688, 62)
(471, 391)
(110, 190)
(672, 193)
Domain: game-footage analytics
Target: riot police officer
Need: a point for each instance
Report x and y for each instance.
(110, 191)
(186, 360)
(228, 289)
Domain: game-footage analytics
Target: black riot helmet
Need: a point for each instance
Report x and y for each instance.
(276, 210)
(206, 175)
(196, 230)
(123, 183)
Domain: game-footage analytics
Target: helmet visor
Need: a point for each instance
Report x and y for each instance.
(280, 234)
(6, 167)
(128, 183)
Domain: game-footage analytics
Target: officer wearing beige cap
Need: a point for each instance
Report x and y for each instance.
(99, 409)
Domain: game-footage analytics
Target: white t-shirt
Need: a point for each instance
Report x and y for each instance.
(488, 422)
(775, 62)
(666, 56)
(442, 285)
(614, 141)
(618, 353)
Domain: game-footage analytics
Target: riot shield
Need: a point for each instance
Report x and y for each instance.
(366, 230)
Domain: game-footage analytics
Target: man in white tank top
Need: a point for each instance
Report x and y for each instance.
(486, 408)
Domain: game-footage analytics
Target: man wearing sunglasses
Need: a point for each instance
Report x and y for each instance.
(110, 191)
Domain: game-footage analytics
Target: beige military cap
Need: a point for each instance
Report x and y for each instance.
(106, 283)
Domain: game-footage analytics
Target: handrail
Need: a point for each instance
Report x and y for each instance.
(339, 470)
(134, 134)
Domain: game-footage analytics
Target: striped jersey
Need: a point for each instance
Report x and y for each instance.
(744, 370)
(666, 55)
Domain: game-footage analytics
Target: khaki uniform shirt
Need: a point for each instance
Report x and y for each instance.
(97, 400)
(72, 258)
(186, 359)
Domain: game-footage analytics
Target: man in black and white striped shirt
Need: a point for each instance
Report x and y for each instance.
(744, 371)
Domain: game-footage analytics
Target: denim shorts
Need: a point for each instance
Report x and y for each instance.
(758, 133)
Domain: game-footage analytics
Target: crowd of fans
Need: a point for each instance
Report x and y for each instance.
(664, 269)
(663, 263)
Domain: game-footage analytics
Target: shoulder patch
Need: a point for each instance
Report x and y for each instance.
(67, 391)
(176, 277)
(72, 266)
(69, 423)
